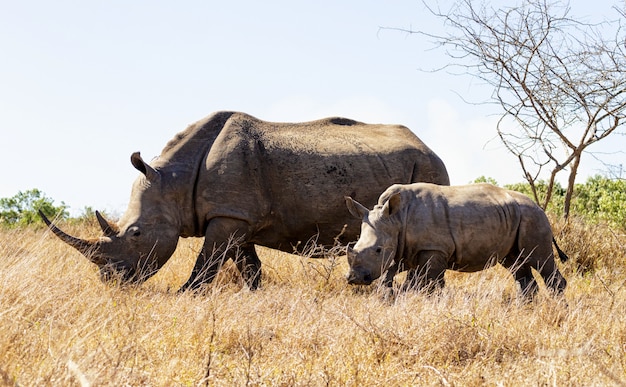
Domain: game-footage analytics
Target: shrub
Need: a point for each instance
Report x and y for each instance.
(21, 209)
(598, 200)
(601, 200)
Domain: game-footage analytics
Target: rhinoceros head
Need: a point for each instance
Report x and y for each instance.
(375, 250)
(144, 238)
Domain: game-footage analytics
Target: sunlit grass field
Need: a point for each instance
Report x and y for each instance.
(60, 326)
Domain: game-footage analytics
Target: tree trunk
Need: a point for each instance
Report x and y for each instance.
(570, 186)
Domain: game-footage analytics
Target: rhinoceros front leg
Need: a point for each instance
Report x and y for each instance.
(409, 282)
(205, 270)
(395, 269)
(429, 273)
(249, 266)
(391, 273)
(223, 239)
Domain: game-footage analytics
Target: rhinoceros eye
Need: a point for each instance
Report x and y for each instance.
(378, 250)
(134, 231)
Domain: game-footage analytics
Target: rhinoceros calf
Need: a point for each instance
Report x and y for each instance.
(429, 228)
(238, 181)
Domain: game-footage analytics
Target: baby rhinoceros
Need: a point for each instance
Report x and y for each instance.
(429, 228)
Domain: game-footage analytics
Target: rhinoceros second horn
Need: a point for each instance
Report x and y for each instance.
(108, 228)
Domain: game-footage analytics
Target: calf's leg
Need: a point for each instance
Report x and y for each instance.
(391, 272)
(428, 273)
(535, 245)
(541, 260)
(552, 276)
(519, 266)
(525, 279)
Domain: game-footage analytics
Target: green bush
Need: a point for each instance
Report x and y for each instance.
(21, 209)
(484, 179)
(599, 199)
(558, 194)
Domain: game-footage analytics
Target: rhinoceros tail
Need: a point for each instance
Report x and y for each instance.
(562, 256)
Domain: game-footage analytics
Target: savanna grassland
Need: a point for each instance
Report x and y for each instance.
(60, 326)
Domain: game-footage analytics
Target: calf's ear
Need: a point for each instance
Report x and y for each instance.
(356, 209)
(392, 205)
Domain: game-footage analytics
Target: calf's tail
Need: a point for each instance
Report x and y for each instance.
(562, 256)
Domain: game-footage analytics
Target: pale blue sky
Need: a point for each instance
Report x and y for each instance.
(83, 84)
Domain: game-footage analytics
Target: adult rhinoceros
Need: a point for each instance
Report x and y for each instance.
(239, 181)
(428, 229)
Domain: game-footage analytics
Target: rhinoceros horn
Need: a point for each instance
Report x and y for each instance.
(86, 247)
(108, 228)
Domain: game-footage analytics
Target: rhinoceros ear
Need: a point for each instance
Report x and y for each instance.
(392, 205)
(356, 209)
(143, 167)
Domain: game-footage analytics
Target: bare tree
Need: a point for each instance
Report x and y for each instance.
(561, 82)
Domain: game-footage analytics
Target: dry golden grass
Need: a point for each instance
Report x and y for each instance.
(59, 325)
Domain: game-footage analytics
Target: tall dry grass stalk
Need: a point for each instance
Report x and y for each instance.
(59, 325)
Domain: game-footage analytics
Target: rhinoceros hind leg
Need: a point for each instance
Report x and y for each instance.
(552, 276)
(521, 270)
(542, 260)
(525, 279)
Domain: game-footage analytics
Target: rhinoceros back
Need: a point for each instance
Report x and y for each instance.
(288, 180)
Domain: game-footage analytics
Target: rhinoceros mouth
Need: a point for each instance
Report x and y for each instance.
(124, 273)
(356, 278)
(119, 274)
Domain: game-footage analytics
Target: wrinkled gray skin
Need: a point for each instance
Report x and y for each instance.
(428, 228)
(239, 182)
